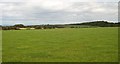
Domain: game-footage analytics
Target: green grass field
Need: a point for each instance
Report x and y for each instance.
(0, 46)
(61, 45)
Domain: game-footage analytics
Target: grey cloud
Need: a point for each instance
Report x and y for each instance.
(77, 12)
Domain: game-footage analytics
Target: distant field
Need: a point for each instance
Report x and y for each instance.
(61, 45)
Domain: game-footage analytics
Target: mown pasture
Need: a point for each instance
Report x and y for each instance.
(61, 45)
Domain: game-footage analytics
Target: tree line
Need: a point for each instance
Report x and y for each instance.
(100, 24)
(95, 23)
(18, 26)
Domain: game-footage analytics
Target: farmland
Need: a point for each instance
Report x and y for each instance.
(61, 45)
(0, 46)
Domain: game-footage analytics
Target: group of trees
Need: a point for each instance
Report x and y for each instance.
(10, 28)
(45, 26)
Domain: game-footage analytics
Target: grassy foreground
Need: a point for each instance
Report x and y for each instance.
(61, 45)
(0, 46)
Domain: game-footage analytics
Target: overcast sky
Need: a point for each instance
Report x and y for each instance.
(29, 12)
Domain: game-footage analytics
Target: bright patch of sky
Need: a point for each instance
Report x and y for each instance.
(31, 12)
